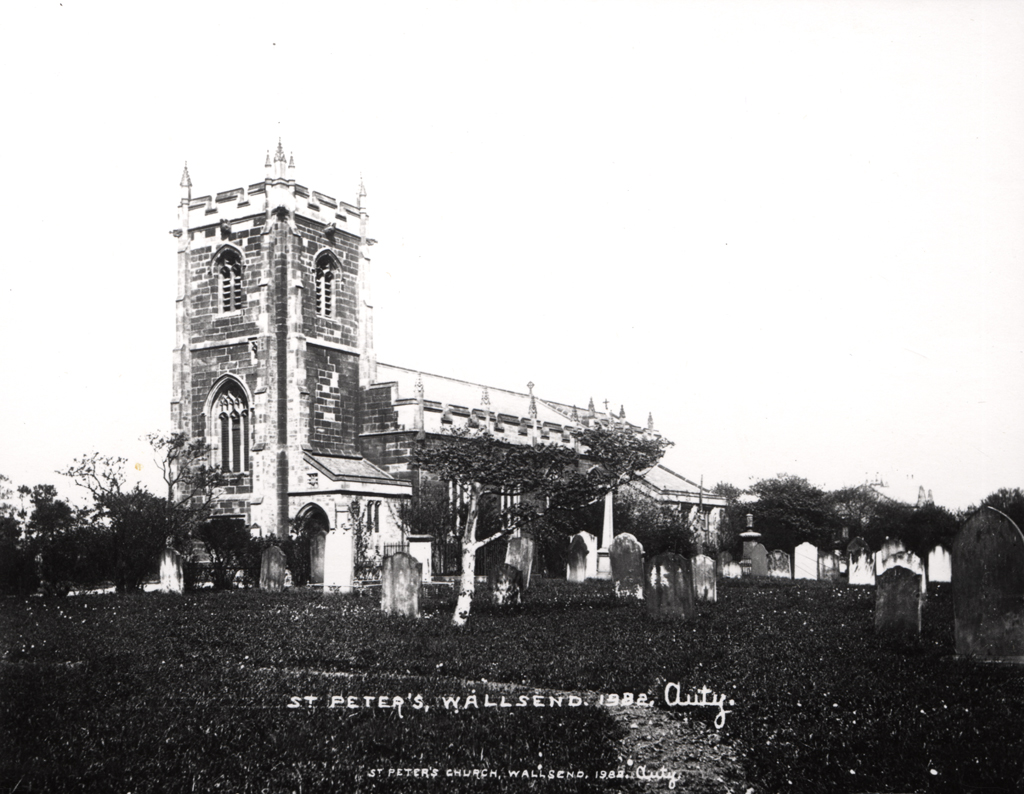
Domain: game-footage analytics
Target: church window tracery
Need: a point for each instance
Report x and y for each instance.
(325, 286)
(231, 296)
(232, 417)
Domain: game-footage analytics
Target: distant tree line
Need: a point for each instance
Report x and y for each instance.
(788, 510)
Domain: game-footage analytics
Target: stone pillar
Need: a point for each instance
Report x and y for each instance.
(421, 548)
(604, 565)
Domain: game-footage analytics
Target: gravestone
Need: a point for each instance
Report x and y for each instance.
(732, 570)
(724, 557)
(779, 565)
(890, 548)
(400, 583)
(805, 561)
(988, 587)
(862, 563)
(668, 587)
(898, 603)
(758, 560)
(627, 561)
(591, 541)
(339, 560)
(172, 578)
(940, 565)
(704, 583)
(506, 583)
(576, 567)
(520, 555)
(317, 543)
(909, 560)
(828, 566)
(272, 568)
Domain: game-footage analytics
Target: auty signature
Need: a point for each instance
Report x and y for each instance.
(673, 691)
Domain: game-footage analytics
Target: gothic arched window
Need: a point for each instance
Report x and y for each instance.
(230, 281)
(325, 286)
(231, 418)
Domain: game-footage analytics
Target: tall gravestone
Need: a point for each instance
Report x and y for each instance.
(668, 587)
(862, 563)
(506, 584)
(805, 561)
(724, 557)
(272, 568)
(779, 565)
(758, 560)
(172, 578)
(627, 563)
(576, 567)
(988, 587)
(591, 541)
(339, 560)
(828, 566)
(704, 582)
(401, 580)
(520, 555)
(939, 565)
(898, 603)
(316, 557)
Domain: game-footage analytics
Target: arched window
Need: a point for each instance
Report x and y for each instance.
(231, 296)
(231, 417)
(325, 286)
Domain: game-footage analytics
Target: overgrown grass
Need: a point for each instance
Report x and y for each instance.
(162, 693)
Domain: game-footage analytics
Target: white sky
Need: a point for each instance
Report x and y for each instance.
(792, 231)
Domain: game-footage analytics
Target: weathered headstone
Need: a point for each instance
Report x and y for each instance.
(272, 568)
(862, 563)
(172, 578)
(828, 566)
(805, 561)
(890, 548)
(627, 561)
(506, 583)
(758, 560)
(940, 565)
(401, 580)
(988, 587)
(704, 583)
(317, 544)
(779, 565)
(339, 560)
(732, 570)
(591, 541)
(520, 555)
(724, 557)
(898, 603)
(668, 587)
(576, 567)
(909, 560)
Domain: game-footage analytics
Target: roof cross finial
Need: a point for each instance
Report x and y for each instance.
(279, 154)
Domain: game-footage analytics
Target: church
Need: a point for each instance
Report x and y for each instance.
(275, 367)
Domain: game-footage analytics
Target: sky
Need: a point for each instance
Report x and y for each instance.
(793, 232)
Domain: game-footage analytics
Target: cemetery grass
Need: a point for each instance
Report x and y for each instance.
(154, 692)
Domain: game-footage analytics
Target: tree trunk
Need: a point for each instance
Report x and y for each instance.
(467, 580)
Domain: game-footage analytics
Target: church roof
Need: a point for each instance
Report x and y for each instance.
(460, 393)
(346, 468)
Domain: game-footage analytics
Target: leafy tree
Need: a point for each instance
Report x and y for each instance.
(551, 475)
(790, 511)
(658, 527)
(60, 539)
(227, 540)
(136, 524)
(1009, 501)
(734, 517)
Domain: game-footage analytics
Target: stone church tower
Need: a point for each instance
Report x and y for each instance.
(274, 347)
